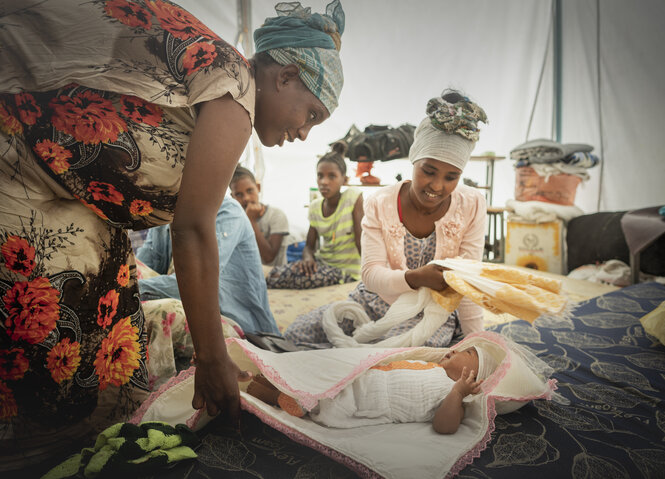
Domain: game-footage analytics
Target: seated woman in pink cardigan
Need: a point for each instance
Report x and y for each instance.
(407, 225)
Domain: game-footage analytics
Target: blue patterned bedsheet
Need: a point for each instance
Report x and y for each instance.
(611, 376)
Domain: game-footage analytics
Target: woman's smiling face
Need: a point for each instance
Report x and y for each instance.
(434, 181)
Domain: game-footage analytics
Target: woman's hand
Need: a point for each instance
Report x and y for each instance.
(307, 266)
(216, 386)
(467, 383)
(430, 276)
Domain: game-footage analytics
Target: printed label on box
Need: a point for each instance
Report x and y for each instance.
(536, 246)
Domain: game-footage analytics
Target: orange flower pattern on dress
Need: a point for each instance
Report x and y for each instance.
(8, 407)
(8, 121)
(28, 109)
(54, 155)
(130, 14)
(105, 192)
(92, 207)
(118, 356)
(88, 117)
(198, 56)
(140, 208)
(63, 360)
(33, 310)
(13, 364)
(19, 256)
(107, 308)
(140, 110)
(178, 22)
(123, 275)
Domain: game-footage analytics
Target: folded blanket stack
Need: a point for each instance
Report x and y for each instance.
(130, 450)
(550, 171)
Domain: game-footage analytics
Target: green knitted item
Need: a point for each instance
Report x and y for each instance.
(130, 450)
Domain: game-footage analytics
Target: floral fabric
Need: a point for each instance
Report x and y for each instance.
(93, 138)
(289, 276)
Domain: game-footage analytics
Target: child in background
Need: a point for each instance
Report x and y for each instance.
(243, 296)
(269, 223)
(334, 220)
(397, 392)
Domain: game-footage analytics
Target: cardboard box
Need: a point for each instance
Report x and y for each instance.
(535, 245)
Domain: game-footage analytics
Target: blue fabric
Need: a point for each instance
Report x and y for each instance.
(243, 295)
(294, 252)
(297, 27)
(312, 42)
(283, 32)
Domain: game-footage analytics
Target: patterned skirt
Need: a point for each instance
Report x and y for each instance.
(289, 276)
(72, 332)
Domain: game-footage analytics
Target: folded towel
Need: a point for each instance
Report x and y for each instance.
(547, 151)
(130, 450)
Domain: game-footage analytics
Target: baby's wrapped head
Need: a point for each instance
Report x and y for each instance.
(486, 363)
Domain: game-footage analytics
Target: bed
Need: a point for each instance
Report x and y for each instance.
(612, 378)
(608, 422)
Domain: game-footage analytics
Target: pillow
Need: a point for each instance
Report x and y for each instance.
(654, 323)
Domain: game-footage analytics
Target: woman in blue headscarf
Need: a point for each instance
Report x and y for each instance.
(134, 116)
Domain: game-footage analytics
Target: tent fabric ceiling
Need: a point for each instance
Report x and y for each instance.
(397, 55)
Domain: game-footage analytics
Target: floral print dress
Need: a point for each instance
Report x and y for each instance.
(93, 137)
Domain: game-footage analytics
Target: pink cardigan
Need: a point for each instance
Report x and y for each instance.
(461, 232)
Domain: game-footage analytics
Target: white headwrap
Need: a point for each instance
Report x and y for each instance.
(450, 131)
(430, 142)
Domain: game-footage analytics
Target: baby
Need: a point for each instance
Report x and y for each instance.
(399, 391)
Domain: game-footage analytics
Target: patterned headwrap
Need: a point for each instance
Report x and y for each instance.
(311, 41)
(449, 133)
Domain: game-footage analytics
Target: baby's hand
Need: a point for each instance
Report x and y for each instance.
(467, 383)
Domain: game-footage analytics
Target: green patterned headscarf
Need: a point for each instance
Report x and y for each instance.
(312, 42)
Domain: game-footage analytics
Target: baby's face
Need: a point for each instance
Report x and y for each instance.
(455, 361)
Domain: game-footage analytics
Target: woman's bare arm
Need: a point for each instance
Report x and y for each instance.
(219, 137)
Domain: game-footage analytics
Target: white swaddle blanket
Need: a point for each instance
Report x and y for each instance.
(377, 450)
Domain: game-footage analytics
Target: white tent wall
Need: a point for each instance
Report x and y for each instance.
(398, 54)
(631, 89)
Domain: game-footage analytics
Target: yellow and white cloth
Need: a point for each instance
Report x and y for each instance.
(497, 288)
